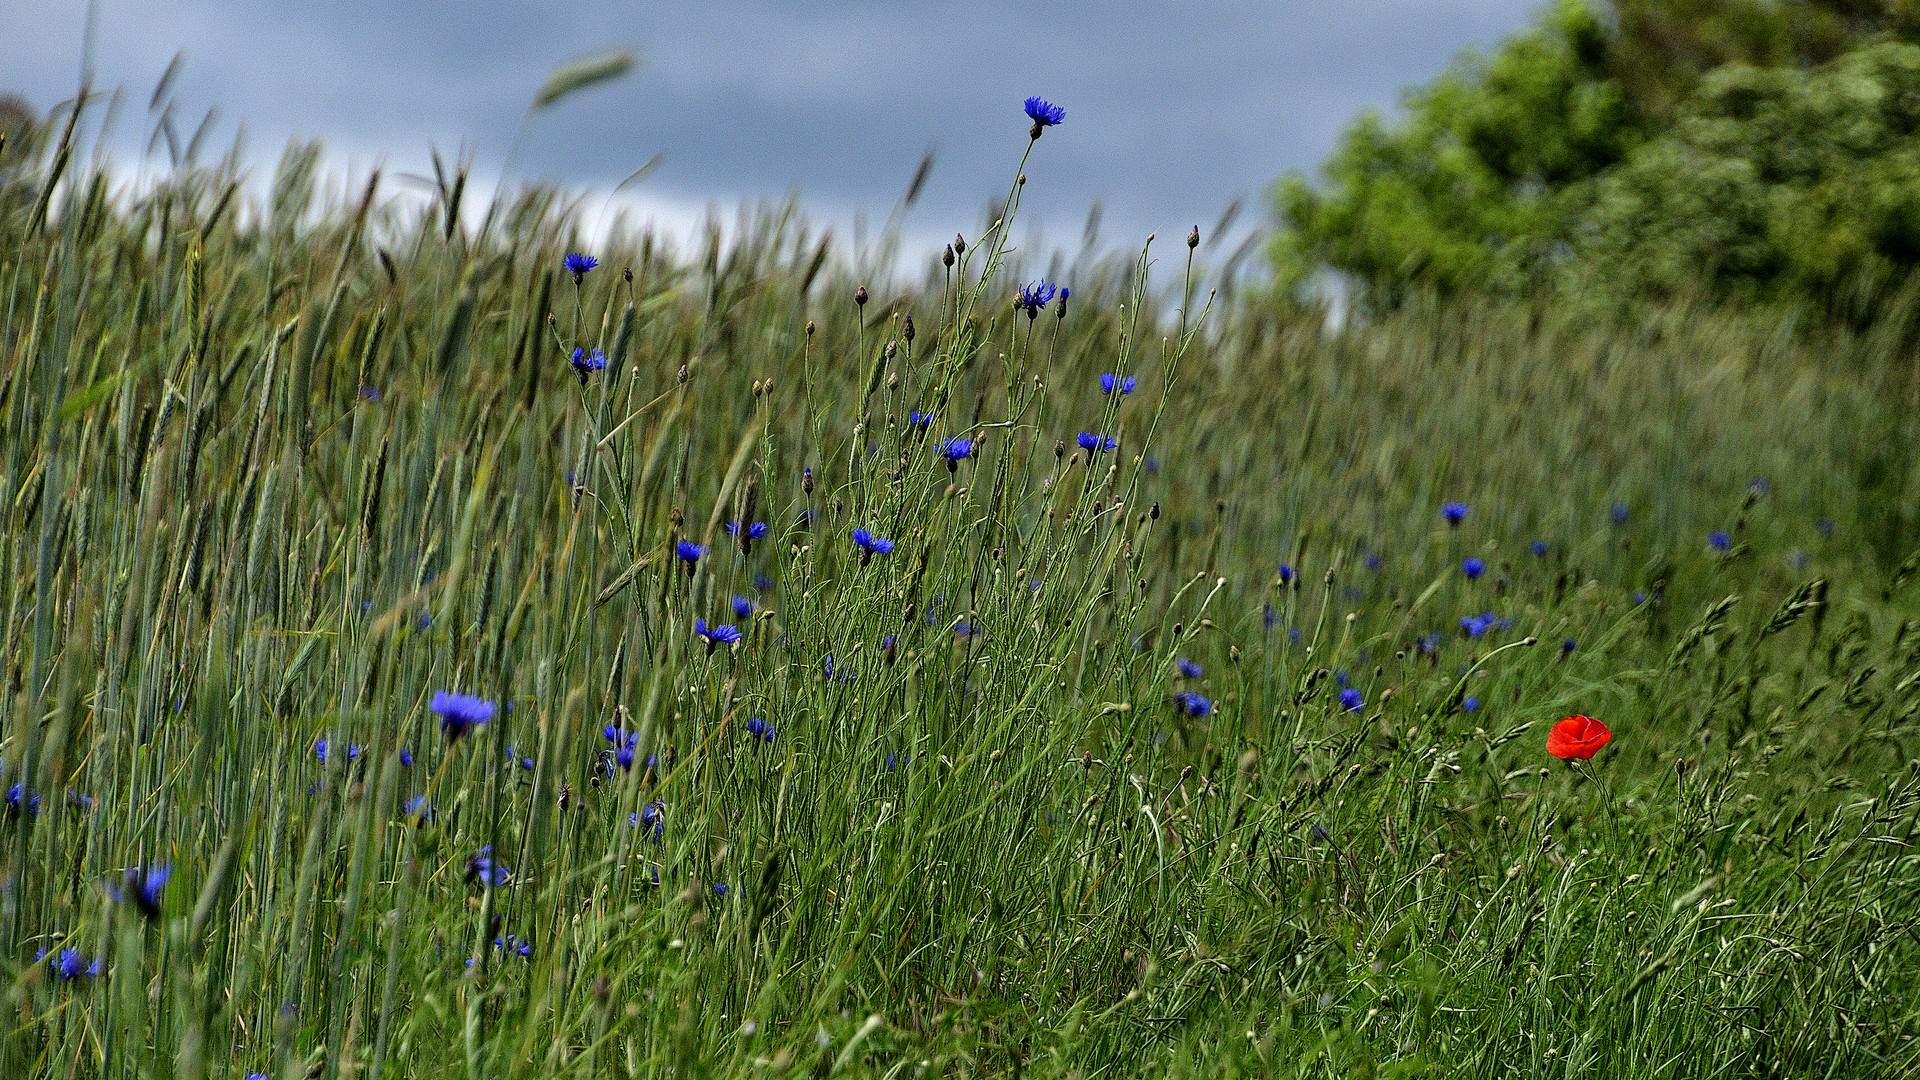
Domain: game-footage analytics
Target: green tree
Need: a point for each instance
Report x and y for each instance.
(1774, 180)
(1491, 176)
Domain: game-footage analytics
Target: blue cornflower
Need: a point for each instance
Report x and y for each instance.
(1826, 527)
(920, 421)
(20, 799)
(1268, 616)
(1798, 560)
(1619, 513)
(483, 868)
(1473, 568)
(1192, 704)
(1454, 512)
(716, 635)
(1189, 669)
(871, 545)
(1110, 382)
(1567, 647)
(418, 809)
(586, 363)
(370, 393)
(460, 713)
(689, 553)
(1540, 548)
(755, 531)
(320, 751)
(1340, 677)
(69, 965)
(742, 606)
(1470, 704)
(1429, 643)
(1374, 561)
(651, 817)
(956, 450)
(578, 265)
(1351, 700)
(406, 758)
(1639, 598)
(623, 744)
(79, 800)
(1721, 541)
(763, 583)
(1044, 114)
(145, 887)
(760, 729)
(1096, 444)
(1477, 625)
(839, 673)
(1033, 296)
(1286, 573)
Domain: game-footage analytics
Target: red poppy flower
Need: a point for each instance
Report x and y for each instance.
(1577, 737)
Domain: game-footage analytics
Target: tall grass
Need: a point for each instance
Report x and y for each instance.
(277, 472)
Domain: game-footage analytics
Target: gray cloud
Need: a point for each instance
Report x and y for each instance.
(1174, 108)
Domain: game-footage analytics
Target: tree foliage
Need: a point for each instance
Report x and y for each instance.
(1654, 144)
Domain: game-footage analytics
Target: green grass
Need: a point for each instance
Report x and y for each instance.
(995, 853)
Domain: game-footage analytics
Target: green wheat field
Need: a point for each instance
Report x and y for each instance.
(1196, 730)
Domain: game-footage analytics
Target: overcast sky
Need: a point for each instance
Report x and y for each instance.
(1174, 109)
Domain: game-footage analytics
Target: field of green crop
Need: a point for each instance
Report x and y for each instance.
(1179, 731)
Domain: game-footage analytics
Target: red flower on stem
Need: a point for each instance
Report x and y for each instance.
(1577, 737)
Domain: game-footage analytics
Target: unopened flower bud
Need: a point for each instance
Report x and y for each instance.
(860, 296)
(1193, 238)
